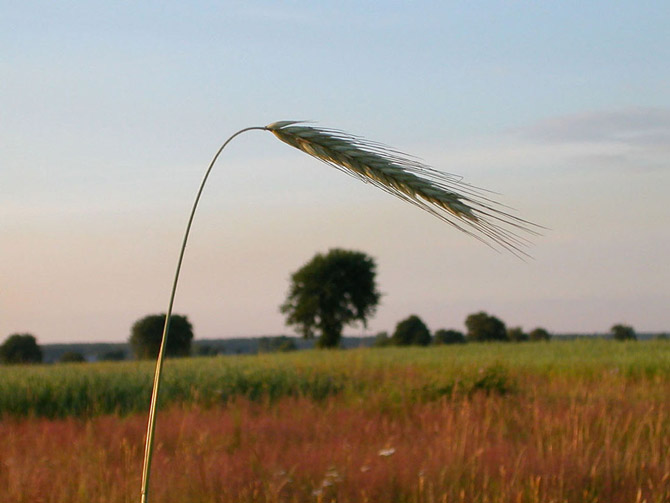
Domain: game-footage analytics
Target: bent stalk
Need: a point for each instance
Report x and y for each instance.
(151, 425)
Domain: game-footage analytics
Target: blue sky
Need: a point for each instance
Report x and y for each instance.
(110, 112)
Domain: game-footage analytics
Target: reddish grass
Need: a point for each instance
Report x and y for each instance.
(559, 441)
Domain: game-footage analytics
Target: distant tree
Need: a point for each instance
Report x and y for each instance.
(382, 339)
(112, 355)
(482, 327)
(20, 348)
(277, 344)
(623, 333)
(411, 331)
(146, 334)
(662, 337)
(443, 336)
(72, 357)
(539, 334)
(516, 334)
(205, 350)
(330, 292)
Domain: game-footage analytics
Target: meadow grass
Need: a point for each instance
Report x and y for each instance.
(585, 420)
(557, 441)
(84, 390)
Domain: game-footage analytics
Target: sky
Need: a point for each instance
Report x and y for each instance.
(110, 113)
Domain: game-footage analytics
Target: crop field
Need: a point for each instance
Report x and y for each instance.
(577, 421)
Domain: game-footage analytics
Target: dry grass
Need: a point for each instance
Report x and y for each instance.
(557, 440)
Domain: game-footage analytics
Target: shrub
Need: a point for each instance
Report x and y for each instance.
(483, 327)
(623, 333)
(20, 348)
(72, 357)
(382, 339)
(113, 355)
(493, 380)
(516, 334)
(448, 337)
(146, 335)
(411, 331)
(276, 344)
(539, 334)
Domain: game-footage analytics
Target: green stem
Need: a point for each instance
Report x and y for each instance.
(151, 426)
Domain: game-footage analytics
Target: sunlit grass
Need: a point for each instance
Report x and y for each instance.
(593, 443)
(531, 423)
(404, 373)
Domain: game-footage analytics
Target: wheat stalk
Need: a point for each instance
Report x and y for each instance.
(441, 194)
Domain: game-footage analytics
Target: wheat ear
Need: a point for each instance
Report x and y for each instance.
(444, 195)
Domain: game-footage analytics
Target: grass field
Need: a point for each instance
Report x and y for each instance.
(545, 422)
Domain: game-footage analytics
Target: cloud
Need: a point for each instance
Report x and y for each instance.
(633, 138)
(635, 126)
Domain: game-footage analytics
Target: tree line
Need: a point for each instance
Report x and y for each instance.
(15, 350)
(328, 293)
(481, 327)
(339, 288)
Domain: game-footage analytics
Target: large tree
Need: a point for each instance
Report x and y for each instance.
(411, 331)
(329, 292)
(20, 348)
(483, 327)
(146, 335)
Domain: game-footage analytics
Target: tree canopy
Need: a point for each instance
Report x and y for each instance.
(539, 334)
(381, 340)
(623, 333)
(516, 334)
(443, 336)
(146, 335)
(72, 357)
(112, 355)
(483, 327)
(329, 292)
(411, 331)
(279, 344)
(20, 348)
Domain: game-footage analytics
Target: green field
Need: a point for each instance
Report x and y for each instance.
(558, 422)
(414, 373)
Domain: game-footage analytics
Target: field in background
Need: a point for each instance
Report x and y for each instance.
(558, 422)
